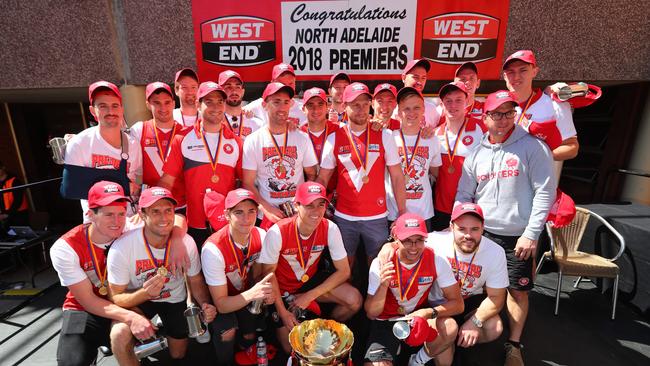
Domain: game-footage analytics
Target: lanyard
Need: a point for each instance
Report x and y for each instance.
(163, 153)
(313, 143)
(363, 158)
(241, 123)
(241, 265)
(214, 159)
(404, 289)
(408, 161)
(153, 259)
(302, 256)
(451, 154)
(457, 270)
(523, 111)
(93, 256)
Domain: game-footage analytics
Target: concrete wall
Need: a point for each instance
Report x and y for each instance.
(69, 44)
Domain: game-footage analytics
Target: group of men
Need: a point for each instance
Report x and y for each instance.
(233, 211)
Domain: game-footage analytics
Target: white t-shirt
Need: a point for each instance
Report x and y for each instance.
(251, 124)
(419, 198)
(129, 264)
(489, 267)
(214, 266)
(445, 276)
(186, 121)
(273, 243)
(294, 112)
(277, 179)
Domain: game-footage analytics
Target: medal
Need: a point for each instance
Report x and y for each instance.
(103, 290)
(451, 154)
(280, 168)
(314, 144)
(365, 179)
(301, 254)
(363, 158)
(451, 169)
(304, 278)
(215, 179)
(160, 269)
(241, 264)
(400, 310)
(163, 153)
(409, 161)
(457, 269)
(214, 159)
(404, 288)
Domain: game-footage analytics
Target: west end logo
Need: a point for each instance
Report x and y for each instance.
(238, 41)
(456, 38)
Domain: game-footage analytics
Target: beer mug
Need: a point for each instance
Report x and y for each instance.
(255, 306)
(57, 145)
(195, 322)
(147, 349)
(567, 92)
(287, 208)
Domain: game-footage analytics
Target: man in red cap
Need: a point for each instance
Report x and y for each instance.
(233, 85)
(337, 85)
(104, 146)
(359, 156)
(186, 84)
(459, 133)
(415, 76)
(156, 136)
(510, 175)
(229, 259)
(79, 257)
(139, 276)
(538, 113)
(294, 249)
(420, 158)
(384, 102)
(467, 73)
(208, 157)
(398, 288)
(480, 268)
(276, 158)
(285, 75)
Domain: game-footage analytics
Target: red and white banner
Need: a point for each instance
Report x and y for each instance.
(370, 39)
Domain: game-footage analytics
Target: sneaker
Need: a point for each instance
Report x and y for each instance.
(513, 355)
(413, 361)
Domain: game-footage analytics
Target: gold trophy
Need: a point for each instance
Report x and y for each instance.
(321, 342)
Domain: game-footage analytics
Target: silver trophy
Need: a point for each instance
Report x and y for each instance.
(57, 145)
(569, 91)
(255, 307)
(401, 330)
(321, 342)
(287, 208)
(196, 325)
(147, 349)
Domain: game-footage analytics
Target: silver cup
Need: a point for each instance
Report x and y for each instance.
(401, 330)
(57, 145)
(194, 317)
(574, 90)
(147, 349)
(255, 306)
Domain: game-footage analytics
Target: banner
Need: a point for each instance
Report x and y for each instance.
(368, 39)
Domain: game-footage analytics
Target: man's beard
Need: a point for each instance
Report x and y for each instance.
(233, 103)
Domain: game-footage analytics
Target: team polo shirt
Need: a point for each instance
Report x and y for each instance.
(152, 163)
(546, 119)
(447, 182)
(230, 264)
(318, 140)
(430, 269)
(281, 247)
(189, 159)
(278, 174)
(243, 126)
(356, 200)
(185, 121)
(130, 265)
(419, 198)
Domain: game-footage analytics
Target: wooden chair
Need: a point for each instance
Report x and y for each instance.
(572, 262)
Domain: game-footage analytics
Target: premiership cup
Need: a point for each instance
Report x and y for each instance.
(57, 145)
(321, 342)
(144, 350)
(194, 317)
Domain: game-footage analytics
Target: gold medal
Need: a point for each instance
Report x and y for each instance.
(215, 179)
(304, 278)
(365, 179)
(103, 290)
(400, 310)
(451, 169)
(162, 271)
(282, 169)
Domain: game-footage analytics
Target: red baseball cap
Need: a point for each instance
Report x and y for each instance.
(417, 62)
(314, 92)
(308, 192)
(466, 65)
(339, 76)
(467, 208)
(157, 85)
(235, 196)
(409, 224)
(214, 207)
(280, 69)
(103, 193)
(275, 87)
(225, 75)
(152, 195)
(208, 87)
(494, 100)
(526, 56)
(186, 72)
(450, 87)
(353, 90)
(102, 85)
(407, 90)
(385, 86)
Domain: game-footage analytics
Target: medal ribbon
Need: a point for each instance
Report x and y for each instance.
(409, 281)
(451, 154)
(241, 269)
(277, 147)
(313, 143)
(93, 257)
(457, 270)
(153, 259)
(353, 141)
(301, 254)
(214, 160)
(161, 153)
(408, 161)
(523, 111)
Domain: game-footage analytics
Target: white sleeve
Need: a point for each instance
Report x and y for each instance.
(564, 120)
(335, 242)
(373, 277)
(135, 159)
(329, 159)
(249, 159)
(390, 148)
(310, 156)
(66, 263)
(444, 272)
(436, 157)
(136, 130)
(117, 264)
(262, 233)
(193, 253)
(74, 151)
(498, 274)
(214, 268)
(271, 246)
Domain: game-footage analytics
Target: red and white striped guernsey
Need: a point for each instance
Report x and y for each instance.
(318, 143)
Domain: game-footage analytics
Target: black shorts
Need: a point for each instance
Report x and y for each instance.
(171, 314)
(81, 334)
(440, 221)
(382, 344)
(241, 319)
(471, 303)
(520, 272)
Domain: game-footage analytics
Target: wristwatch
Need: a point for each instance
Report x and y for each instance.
(476, 321)
(434, 314)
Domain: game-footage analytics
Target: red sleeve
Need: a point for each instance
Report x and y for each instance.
(238, 167)
(174, 164)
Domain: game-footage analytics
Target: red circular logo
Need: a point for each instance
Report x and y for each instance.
(467, 140)
(228, 149)
(523, 281)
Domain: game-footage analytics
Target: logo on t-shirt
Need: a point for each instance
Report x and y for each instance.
(228, 149)
(467, 140)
